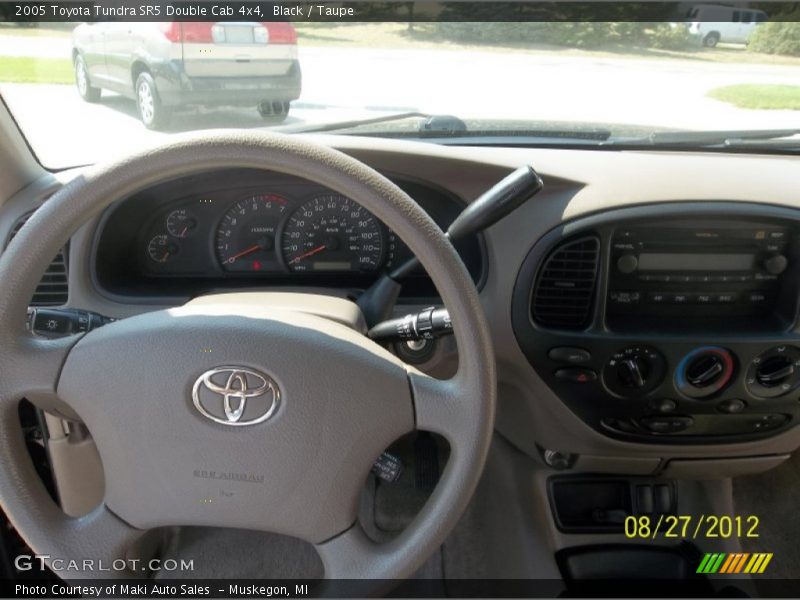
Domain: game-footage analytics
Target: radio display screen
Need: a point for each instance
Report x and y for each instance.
(696, 262)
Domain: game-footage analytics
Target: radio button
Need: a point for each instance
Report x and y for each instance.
(756, 297)
(729, 298)
(680, 298)
(703, 298)
(775, 265)
(624, 298)
(765, 277)
(627, 264)
(657, 297)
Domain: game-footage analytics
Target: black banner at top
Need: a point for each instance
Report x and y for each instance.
(393, 11)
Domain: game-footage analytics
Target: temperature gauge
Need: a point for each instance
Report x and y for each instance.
(181, 223)
(161, 248)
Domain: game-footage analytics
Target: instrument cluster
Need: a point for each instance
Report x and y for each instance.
(244, 228)
(267, 231)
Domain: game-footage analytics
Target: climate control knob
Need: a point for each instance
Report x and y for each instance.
(774, 372)
(704, 371)
(634, 371)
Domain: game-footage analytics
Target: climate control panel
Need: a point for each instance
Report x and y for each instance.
(678, 392)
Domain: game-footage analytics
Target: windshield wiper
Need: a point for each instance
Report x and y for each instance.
(446, 128)
(771, 144)
(442, 128)
(351, 124)
(703, 139)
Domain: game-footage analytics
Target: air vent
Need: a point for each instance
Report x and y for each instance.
(53, 288)
(564, 290)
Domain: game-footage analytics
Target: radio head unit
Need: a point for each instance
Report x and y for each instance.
(689, 272)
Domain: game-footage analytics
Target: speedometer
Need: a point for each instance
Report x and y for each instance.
(245, 238)
(332, 233)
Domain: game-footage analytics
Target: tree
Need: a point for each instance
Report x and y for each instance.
(778, 36)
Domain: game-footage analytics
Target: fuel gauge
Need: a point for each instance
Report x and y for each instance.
(161, 248)
(181, 223)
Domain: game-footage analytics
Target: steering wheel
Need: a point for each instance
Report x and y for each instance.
(335, 399)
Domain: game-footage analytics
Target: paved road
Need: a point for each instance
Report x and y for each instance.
(343, 83)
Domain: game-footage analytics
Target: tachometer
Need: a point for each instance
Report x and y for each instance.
(245, 238)
(332, 233)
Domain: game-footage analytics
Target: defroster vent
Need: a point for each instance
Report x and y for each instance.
(564, 289)
(53, 287)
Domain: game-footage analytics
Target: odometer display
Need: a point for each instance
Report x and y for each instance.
(332, 233)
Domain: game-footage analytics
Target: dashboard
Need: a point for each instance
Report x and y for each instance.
(241, 228)
(636, 218)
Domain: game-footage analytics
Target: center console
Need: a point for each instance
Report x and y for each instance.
(668, 323)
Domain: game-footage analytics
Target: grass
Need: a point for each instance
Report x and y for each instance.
(25, 69)
(775, 97)
(63, 30)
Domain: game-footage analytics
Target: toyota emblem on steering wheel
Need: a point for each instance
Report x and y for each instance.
(235, 396)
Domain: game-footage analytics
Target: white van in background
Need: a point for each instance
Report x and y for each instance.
(714, 23)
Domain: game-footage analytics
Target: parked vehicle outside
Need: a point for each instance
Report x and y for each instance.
(164, 66)
(713, 23)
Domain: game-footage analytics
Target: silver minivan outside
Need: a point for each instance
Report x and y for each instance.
(163, 66)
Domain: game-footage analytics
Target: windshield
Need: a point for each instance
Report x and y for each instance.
(91, 91)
